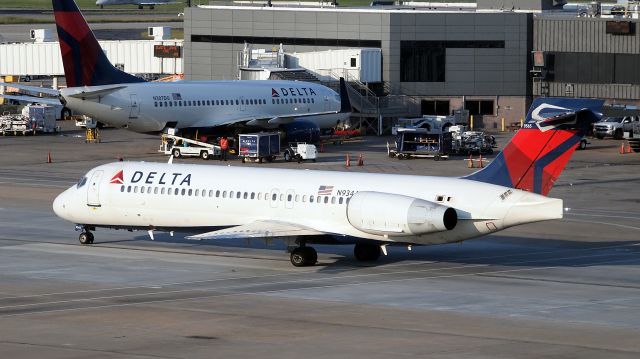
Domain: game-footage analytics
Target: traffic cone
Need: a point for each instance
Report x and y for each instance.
(622, 148)
(628, 148)
(481, 165)
(360, 160)
(49, 157)
(470, 164)
(348, 161)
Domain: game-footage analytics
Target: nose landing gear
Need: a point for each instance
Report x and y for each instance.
(86, 237)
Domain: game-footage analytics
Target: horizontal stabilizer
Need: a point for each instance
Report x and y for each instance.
(258, 229)
(32, 89)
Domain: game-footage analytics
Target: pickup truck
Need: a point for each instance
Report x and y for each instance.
(613, 126)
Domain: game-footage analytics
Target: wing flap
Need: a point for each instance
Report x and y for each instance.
(95, 93)
(258, 229)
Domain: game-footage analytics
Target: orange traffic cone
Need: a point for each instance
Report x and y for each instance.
(348, 161)
(628, 148)
(622, 148)
(49, 157)
(360, 160)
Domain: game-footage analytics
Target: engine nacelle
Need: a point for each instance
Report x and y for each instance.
(398, 215)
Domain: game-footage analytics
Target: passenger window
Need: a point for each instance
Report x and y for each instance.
(142, 189)
(340, 200)
(274, 197)
(289, 197)
(183, 192)
(310, 199)
(162, 190)
(197, 192)
(333, 200)
(259, 196)
(148, 190)
(253, 195)
(439, 198)
(135, 189)
(297, 198)
(238, 194)
(155, 190)
(176, 191)
(326, 199)
(224, 194)
(129, 189)
(304, 198)
(155, 104)
(273, 102)
(217, 193)
(281, 197)
(231, 194)
(121, 188)
(190, 192)
(237, 103)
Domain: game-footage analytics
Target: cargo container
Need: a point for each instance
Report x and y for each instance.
(259, 146)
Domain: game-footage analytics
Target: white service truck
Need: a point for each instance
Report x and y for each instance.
(186, 147)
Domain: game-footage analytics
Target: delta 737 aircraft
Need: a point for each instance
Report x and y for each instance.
(98, 89)
(305, 207)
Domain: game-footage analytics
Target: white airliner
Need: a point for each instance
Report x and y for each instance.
(305, 207)
(98, 89)
(141, 3)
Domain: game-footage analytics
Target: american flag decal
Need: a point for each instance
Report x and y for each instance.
(325, 190)
(176, 96)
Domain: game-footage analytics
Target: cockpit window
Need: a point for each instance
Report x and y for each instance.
(82, 182)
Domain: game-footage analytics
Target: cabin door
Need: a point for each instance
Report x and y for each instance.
(93, 190)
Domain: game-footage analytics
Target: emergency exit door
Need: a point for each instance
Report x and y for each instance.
(93, 191)
(135, 107)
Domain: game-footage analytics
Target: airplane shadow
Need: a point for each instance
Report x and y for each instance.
(492, 250)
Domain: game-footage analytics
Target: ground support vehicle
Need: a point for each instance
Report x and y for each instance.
(473, 143)
(43, 117)
(259, 146)
(420, 143)
(182, 146)
(11, 124)
(633, 136)
(613, 126)
(300, 151)
(338, 137)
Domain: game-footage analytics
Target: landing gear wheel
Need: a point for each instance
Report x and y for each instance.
(176, 153)
(86, 238)
(366, 252)
(304, 256)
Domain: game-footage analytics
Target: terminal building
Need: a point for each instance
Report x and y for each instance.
(473, 57)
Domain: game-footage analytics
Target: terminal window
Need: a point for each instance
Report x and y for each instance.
(480, 107)
(435, 107)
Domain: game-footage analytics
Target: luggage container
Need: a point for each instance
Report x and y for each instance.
(259, 146)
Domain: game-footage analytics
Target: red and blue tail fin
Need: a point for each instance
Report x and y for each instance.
(85, 64)
(537, 154)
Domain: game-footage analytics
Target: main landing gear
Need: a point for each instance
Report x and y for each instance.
(366, 252)
(86, 237)
(304, 256)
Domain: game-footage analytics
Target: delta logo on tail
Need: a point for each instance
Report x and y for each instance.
(533, 160)
(118, 178)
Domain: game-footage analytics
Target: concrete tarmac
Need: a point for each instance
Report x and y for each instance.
(566, 288)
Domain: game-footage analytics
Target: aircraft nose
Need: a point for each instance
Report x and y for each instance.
(60, 204)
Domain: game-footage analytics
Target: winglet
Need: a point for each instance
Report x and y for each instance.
(345, 103)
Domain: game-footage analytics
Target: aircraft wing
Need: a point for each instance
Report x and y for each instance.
(258, 229)
(33, 99)
(267, 122)
(34, 89)
(95, 93)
